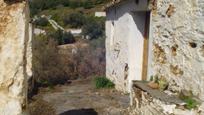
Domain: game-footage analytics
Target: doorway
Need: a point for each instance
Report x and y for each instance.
(140, 34)
(146, 46)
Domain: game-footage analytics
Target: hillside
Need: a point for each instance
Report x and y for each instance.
(61, 8)
(58, 54)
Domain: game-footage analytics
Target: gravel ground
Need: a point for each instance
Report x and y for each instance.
(80, 98)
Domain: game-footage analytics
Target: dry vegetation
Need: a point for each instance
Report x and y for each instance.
(41, 107)
(53, 64)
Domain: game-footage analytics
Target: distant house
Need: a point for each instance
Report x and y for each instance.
(156, 38)
(75, 32)
(100, 14)
(38, 31)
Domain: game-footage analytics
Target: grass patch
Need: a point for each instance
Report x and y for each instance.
(190, 103)
(103, 82)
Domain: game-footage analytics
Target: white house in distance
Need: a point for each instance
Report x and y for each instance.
(100, 14)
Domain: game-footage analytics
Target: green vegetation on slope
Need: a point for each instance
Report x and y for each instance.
(37, 6)
(52, 67)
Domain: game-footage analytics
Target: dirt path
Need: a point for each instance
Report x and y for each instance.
(81, 98)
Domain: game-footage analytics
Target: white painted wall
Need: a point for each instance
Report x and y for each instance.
(75, 32)
(100, 14)
(124, 43)
(135, 45)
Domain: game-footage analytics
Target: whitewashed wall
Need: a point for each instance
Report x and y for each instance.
(124, 43)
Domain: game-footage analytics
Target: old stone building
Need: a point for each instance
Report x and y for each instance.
(156, 38)
(125, 26)
(15, 56)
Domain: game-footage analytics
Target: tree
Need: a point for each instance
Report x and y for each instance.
(68, 38)
(75, 20)
(41, 22)
(62, 37)
(94, 28)
(88, 4)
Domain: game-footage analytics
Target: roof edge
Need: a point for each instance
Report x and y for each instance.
(112, 4)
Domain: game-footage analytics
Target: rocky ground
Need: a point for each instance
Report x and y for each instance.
(78, 98)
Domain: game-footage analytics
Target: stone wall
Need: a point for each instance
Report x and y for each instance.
(178, 50)
(15, 56)
(177, 35)
(145, 104)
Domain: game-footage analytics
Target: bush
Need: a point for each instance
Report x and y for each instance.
(68, 38)
(75, 20)
(190, 103)
(38, 5)
(103, 82)
(88, 4)
(41, 107)
(64, 2)
(91, 60)
(41, 22)
(57, 35)
(47, 65)
(62, 37)
(94, 28)
(74, 4)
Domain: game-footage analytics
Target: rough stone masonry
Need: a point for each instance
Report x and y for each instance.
(178, 44)
(15, 56)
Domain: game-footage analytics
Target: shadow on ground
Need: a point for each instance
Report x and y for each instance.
(80, 112)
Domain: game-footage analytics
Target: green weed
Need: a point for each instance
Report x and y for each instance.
(103, 82)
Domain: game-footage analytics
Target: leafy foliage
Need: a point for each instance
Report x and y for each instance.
(41, 22)
(62, 37)
(103, 82)
(68, 38)
(94, 27)
(75, 20)
(37, 6)
(88, 4)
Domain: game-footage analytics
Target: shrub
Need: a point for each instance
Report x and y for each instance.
(88, 4)
(68, 38)
(91, 59)
(47, 67)
(41, 107)
(103, 82)
(190, 103)
(74, 4)
(75, 20)
(64, 2)
(41, 22)
(62, 37)
(57, 35)
(94, 28)
(38, 5)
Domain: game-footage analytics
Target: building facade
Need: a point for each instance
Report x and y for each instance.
(163, 38)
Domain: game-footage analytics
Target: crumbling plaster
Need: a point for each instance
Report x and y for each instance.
(177, 35)
(15, 53)
(124, 43)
